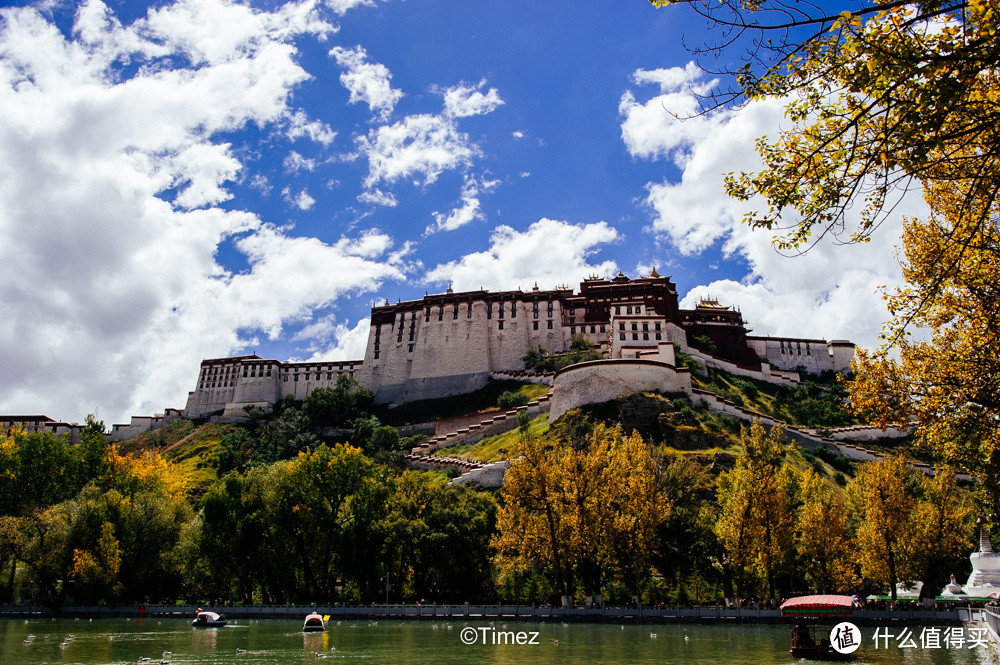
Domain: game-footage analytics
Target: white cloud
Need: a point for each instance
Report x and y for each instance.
(829, 292)
(548, 252)
(379, 198)
(300, 126)
(302, 200)
(112, 291)
(418, 146)
(366, 81)
(295, 162)
(341, 7)
(466, 100)
(469, 209)
(518, 134)
(336, 341)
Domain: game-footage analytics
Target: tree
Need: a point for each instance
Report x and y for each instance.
(755, 500)
(879, 96)
(883, 501)
(882, 97)
(823, 536)
(941, 535)
(949, 384)
(578, 508)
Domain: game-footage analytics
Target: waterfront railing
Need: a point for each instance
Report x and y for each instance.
(467, 611)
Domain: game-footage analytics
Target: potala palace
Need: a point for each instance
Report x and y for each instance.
(451, 343)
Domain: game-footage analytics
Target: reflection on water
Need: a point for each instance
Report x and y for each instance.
(270, 642)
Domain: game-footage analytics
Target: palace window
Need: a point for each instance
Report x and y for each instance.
(658, 336)
(550, 325)
(638, 309)
(489, 311)
(645, 335)
(468, 311)
(513, 310)
(500, 326)
(645, 327)
(440, 312)
(628, 310)
(534, 325)
(635, 326)
(376, 355)
(592, 330)
(427, 315)
(602, 328)
(454, 313)
(621, 336)
(411, 335)
(656, 326)
(409, 348)
(635, 336)
(621, 326)
(572, 330)
(618, 310)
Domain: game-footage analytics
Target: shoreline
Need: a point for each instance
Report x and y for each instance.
(486, 613)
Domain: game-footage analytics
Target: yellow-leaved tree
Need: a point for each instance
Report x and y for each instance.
(824, 540)
(576, 508)
(882, 97)
(883, 501)
(757, 519)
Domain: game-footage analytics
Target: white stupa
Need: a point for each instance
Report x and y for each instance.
(985, 577)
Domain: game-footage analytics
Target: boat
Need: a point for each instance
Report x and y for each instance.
(209, 620)
(314, 623)
(815, 642)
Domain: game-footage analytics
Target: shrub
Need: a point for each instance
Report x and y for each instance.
(512, 400)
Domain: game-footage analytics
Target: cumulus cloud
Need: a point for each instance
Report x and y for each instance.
(419, 147)
(301, 126)
(368, 82)
(830, 292)
(111, 286)
(464, 100)
(336, 341)
(302, 200)
(549, 252)
(470, 208)
(295, 162)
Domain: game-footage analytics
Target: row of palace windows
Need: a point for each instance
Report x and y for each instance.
(306, 377)
(635, 336)
(583, 329)
(797, 350)
(645, 327)
(628, 309)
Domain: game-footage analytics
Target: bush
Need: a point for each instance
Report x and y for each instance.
(512, 400)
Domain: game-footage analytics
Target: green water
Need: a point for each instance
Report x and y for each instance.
(267, 642)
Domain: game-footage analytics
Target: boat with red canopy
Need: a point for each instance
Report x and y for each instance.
(815, 642)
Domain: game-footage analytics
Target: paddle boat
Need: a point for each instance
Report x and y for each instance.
(209, 620)
(814, 642)
(314, 623)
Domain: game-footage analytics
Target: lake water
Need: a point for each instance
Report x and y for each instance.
(272, 642)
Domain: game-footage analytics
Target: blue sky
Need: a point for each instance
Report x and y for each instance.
(198, 179)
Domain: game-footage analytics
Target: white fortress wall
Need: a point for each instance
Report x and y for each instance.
(815, 355)
(603, 380)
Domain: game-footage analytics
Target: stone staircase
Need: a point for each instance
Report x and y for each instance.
(491, 426)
